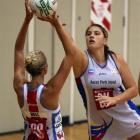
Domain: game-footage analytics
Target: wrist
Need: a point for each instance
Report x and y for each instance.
(57, 23)
(116, 99)
(27, 20)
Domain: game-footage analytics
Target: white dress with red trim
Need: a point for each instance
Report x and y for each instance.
(40, 123)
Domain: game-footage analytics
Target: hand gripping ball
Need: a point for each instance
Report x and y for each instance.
(43, 8)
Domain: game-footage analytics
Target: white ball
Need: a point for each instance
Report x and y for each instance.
(43, 8)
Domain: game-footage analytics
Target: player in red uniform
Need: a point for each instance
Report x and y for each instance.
(39, 103)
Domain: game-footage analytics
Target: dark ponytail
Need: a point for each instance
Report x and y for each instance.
(107, 51)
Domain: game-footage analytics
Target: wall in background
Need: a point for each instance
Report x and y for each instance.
(46, 39)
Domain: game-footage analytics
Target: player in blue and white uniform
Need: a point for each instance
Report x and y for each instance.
(107, 87)
(39, 102)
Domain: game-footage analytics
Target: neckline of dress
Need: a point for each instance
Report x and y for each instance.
(103, 65)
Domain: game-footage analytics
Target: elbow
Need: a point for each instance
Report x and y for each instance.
(135, 91)
(73, 51)
(139, 89)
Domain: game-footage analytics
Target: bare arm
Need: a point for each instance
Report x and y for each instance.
(139, 84)
(69, 46)
(19, 70)
(56, 83)
(79, 58)
(128, 81)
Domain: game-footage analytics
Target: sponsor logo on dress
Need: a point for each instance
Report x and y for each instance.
(90, 71)
(35, 114)
(58, 121)
(60, 134)
(114, 72)
(102, 73)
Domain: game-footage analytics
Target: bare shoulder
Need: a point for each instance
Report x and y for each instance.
(50, 98)
(119, 60)
(80, 62)
(18, 83)
(50, 88)
(124, 68)
(119, 57)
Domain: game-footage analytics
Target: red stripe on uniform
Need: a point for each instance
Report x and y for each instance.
(104, 0)
(31, 99)
(93, 8)
(106, 23)
(33, 108)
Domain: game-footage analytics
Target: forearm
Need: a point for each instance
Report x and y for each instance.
(65, 37)
(127, 95)
(19, 45)
(139, 84)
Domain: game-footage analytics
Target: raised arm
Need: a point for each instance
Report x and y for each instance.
(79, 58)
(69, 46)
(19, 70)
(66, 39)
(139, 84)
(56, 83)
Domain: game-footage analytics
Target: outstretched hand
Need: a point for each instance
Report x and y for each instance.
(53, 19)
(29, 12)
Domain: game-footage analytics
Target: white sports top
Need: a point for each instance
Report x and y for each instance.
(112, 123)
(40, 123)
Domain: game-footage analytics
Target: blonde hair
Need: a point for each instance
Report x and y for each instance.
(34, 62)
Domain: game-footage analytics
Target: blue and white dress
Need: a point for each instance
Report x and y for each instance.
(115, 122)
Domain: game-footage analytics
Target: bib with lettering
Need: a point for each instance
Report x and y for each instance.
(104, 92)
(38, 129)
